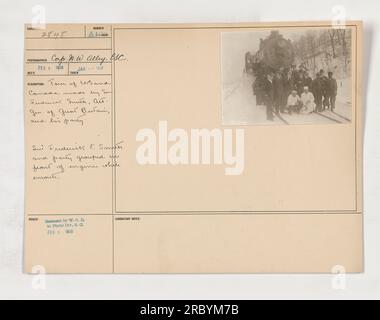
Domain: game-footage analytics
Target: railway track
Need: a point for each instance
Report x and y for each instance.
(327, 117)
(281, 118)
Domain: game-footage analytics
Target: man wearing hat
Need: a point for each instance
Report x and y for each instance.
(324, 84)
(332, 90)
(317, 88)
(269, 95)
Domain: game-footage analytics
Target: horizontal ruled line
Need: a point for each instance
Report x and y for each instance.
(36, 38)
(201, 213)
(68, 75)
(39, 62)
(56, 49)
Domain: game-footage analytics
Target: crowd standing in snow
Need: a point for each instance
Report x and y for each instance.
(292, 90)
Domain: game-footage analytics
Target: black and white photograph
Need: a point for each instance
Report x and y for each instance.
(287, 76)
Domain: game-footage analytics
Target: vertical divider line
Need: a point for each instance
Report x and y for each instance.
(113, 147)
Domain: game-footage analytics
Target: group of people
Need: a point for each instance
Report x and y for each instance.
(294, 91)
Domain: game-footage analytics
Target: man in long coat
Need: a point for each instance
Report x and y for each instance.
(279, 91)
(332, 90)
(269, 95)
(317, 89)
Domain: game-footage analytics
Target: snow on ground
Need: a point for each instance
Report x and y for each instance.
(239, 107)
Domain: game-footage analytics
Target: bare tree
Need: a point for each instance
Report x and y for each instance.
(325, 48)
(342, 35)
(331, 33)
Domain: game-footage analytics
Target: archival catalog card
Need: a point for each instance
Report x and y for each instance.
(193, 148)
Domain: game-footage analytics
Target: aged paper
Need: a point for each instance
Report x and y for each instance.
(193, 148)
